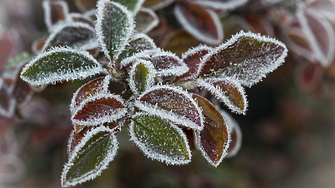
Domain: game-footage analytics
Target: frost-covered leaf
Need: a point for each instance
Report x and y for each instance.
(54, 12)
(203, 24)
(145, 20)
(69, 34)
(157, 4)
(213, 140)
(21, 90)
(138, 43)
(92, 155)
(141, 76)
(258, 24)
(159, 139)
(179, 42)
(319, 33)
(86, 5)
(326, 8)
(221, 4)
(81, 18)
(114, 27)
(132, 5)
(236, 134)
(7, 103)
(230, 92)
(38, 44)
(246, 57)
(171, 103)
(90, 89)
(192, 59)
(99, 109)
(60, 64)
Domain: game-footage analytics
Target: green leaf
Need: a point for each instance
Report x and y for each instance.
(159, 139)
(114, 27)
(60, 64)
(141, 76)
(131, 5)
(92, 155)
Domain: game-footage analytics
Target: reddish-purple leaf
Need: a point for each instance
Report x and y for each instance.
(99, 109)
(76, 17)
(246, 58)
(54, 12)
(38, 44)
(21, 90)
(86, 5)
(192, 59)
(173, 104)
(228, 91)
(326, 8)
(258, 24)
(202, 23)
(213, 140)
(7, 103)
(309, 75)
(145, 20)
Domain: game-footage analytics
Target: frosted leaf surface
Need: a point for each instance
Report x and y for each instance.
(171, 103)
(138, 43)
(114, 27)
(246, 58)
(54, 12)
(222, 4)
(81, 18)
(203, 24)
(159, 139)
(230, 92)
(236, 134)
(60, 64)
(21, 90)
(69, 34)
(192, 59)
(141, 76)
(213, 141)
(90, 89)
(157, 4)
(326, 8)
(92, 155)
(132, 5)
(99, 109)
(146, 19)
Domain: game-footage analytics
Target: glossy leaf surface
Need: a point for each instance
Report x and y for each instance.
(60, 64)
(260, 55)
(213, 140)
(159, 139)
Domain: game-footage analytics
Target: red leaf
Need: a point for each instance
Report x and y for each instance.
(54, 12)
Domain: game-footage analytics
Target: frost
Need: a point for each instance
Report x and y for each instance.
(114, 27)
(326, 8)
(95, 151)
(233, 128)
(76, 17)
(160, 140)
(68, 34)
(228, 91)
(146, 54)
(59, 64)
(209, 32)
(146, 20)
(99, 109)
(47, 6)
(171, 103)
(260, 55)
(7, 104)
(156, 5)
(132, 5)
(140, 80)
(219, 5)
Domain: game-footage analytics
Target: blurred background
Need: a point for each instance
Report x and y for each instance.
(288, 132)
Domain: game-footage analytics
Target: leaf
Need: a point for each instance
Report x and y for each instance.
(60, 64)
(38, 44)
(114, 27)
(246, 58)
(99, 109)
(325, 8)
(81, 18)
(7, 103)
(90, 157)
(86, 5)
(159, 139)
(228, 91)
(173, 104)
(141, 76)
(236, 135)
(213, 140)
(192, 58)
(132, 5)
(69, 34)
(138, 43)
(145, 20)
(157, 4)
(201, 23)
(258, 23)
(54, 12)
(179, 42)
(222, 4)
(90, 89)
(21, 91)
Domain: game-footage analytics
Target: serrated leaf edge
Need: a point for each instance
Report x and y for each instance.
(159, 157)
